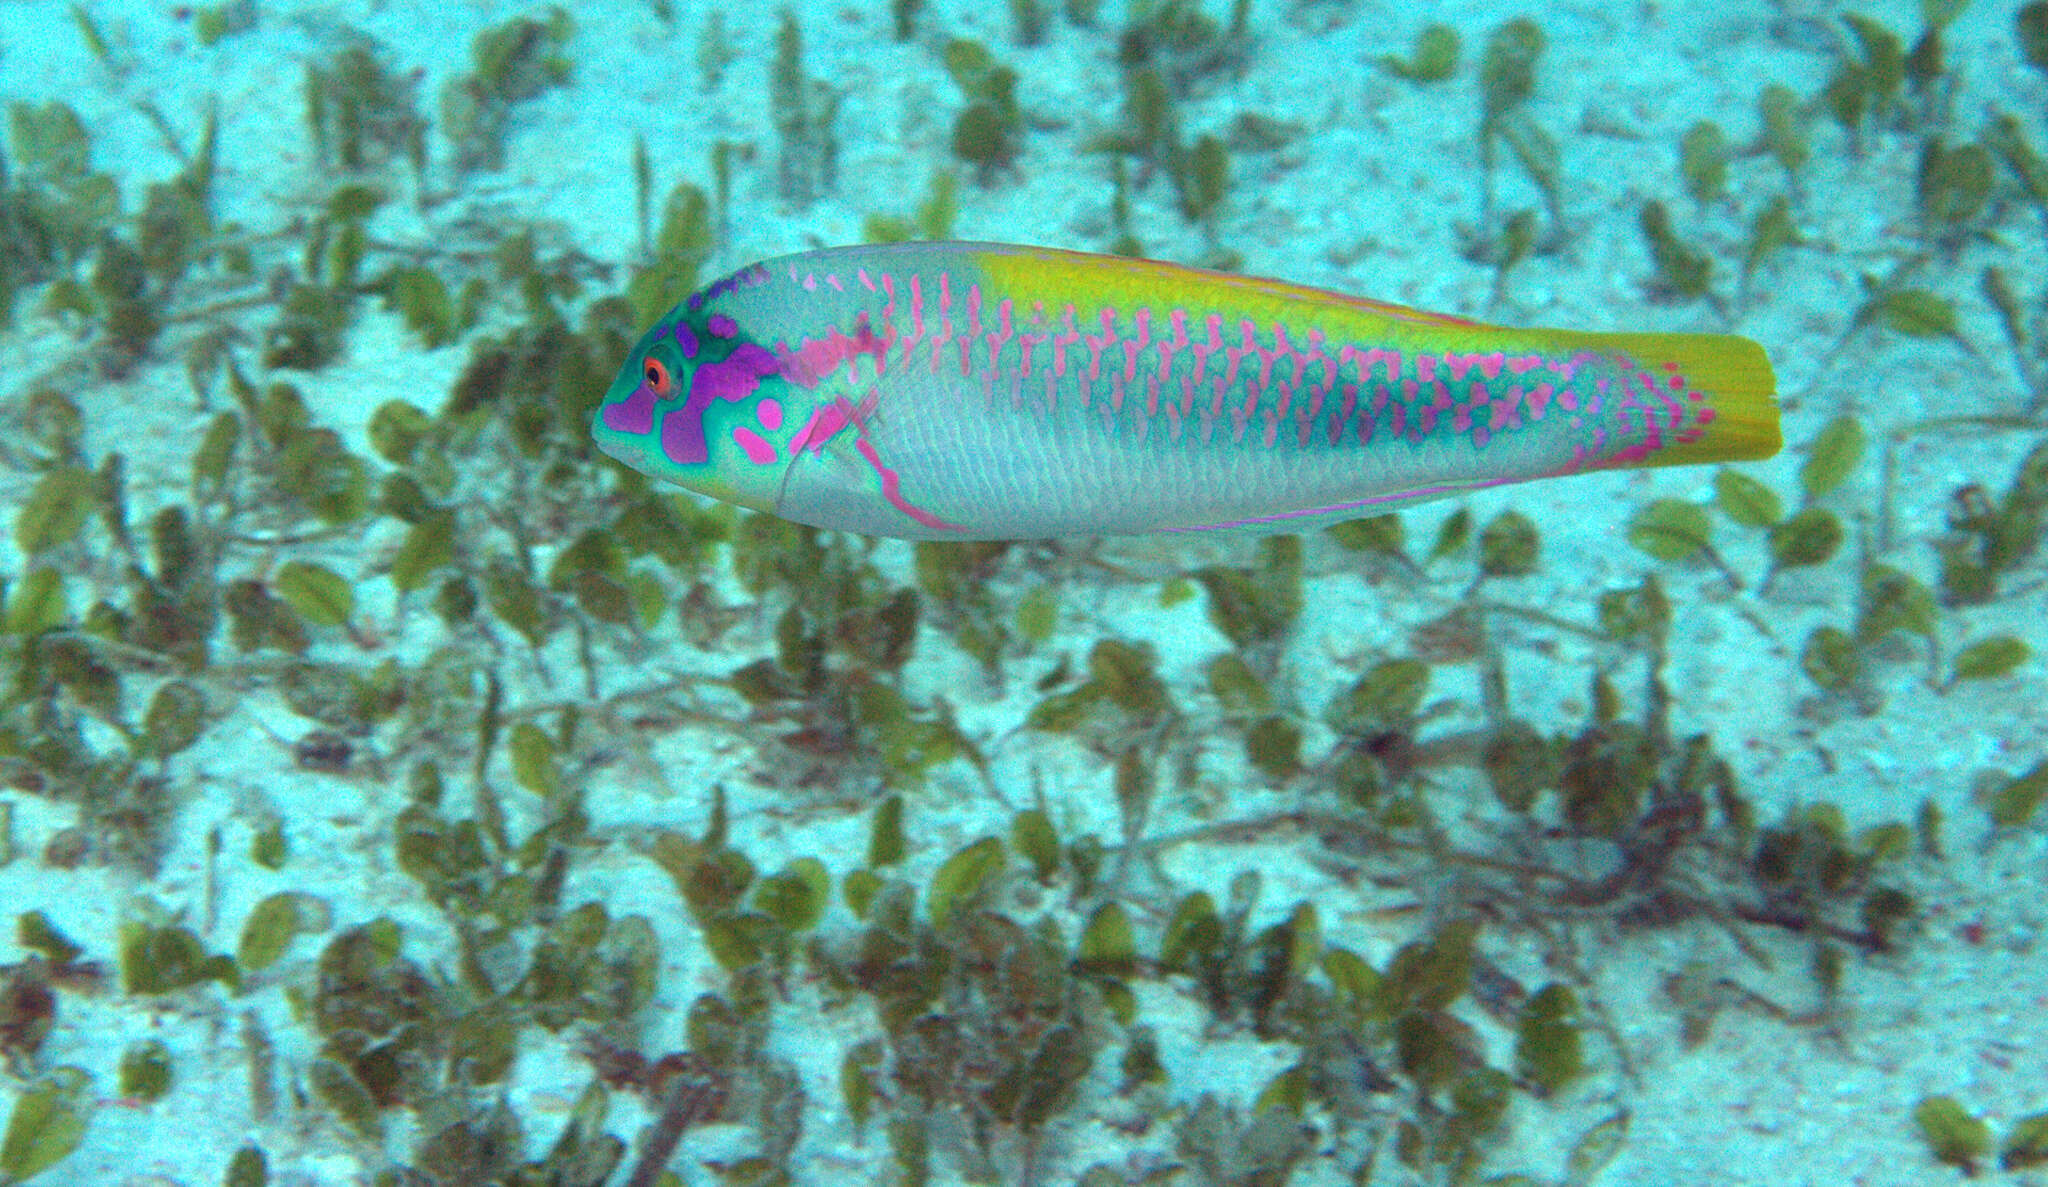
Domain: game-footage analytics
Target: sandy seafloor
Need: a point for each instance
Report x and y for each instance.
(1365, 200)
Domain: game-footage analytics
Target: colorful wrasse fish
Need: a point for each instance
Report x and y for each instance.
(970, 391)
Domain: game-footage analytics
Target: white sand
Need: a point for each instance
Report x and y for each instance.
(1382, 172)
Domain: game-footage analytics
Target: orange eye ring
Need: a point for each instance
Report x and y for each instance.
(656, 375)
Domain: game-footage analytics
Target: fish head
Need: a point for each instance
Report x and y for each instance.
(702, 403)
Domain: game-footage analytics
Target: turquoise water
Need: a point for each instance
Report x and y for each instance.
(441, 802)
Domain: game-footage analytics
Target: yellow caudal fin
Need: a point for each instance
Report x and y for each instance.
(1736, 379)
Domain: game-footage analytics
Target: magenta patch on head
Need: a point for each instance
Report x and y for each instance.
(634, 414)
(721, 326)
(758, 451)
(769, 412)
(686, 339)
(732, 378)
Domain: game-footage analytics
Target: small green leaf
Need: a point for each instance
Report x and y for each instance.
(1987, 659)
(1038, 613)
(1785, 126)
(1682, 270)
(396, 429)
(1595, 1149)
(1357, 983)
(422, 298)
(1507, 67)
(1810, 537)
(165, 959)
(47, 1124)
(1256, 605)
(1387, 696)
(248, 1168)
(1830, 659)
(1202, 177)
(1434, 58)
(886, 844)
(859, 888)
(1703, 156)
(1770, 232)
(1193, 936)
(1832, 457)
(1273, 747)
(216, 450)
(1108, 945)
(1123, 674)
(1952, 1134)
(1035, 838)
(795, 896)
(512, 596)
(320, 595)
(1238, 689)
(1916, 313)
(1745, 500)
(145, 1071)
(2031, 23)
(49, 139)
(1892, 600)
(962, 876)
(2026, 1144)
(1547, 1047)
(340, 1090)
(63, 499)
(1451, 534)
(268, 848)
(1670, 529)
(2014, 803)
(37, 604)
(533, 760)
(1937, 14)
(1953, 183)
(1381, 534)
(34, 931)
(1507, 546)
(176, 714)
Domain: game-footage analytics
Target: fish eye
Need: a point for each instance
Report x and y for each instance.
(656, 374)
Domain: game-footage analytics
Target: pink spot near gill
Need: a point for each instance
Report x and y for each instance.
(825, 423)
(769, 413)
(758, 451)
